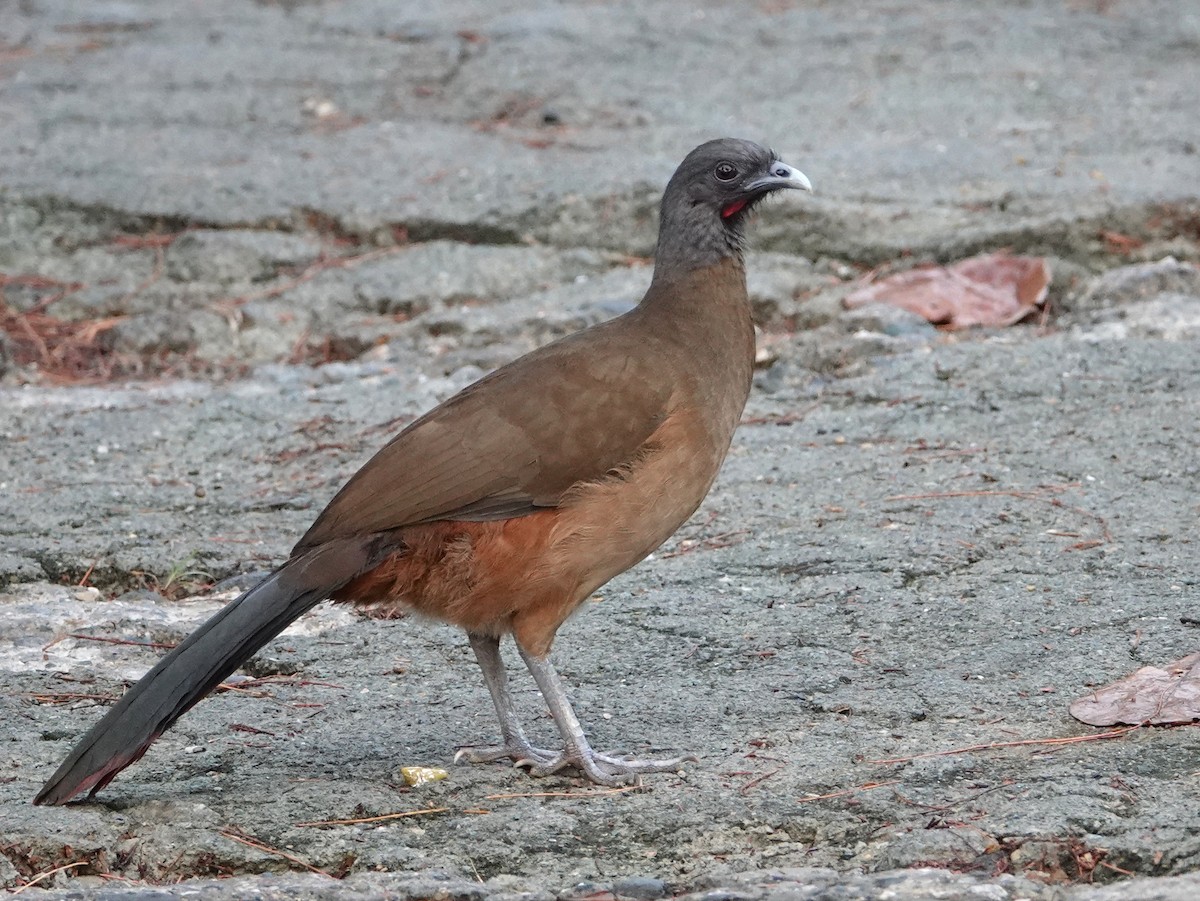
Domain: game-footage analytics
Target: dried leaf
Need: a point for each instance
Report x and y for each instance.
(992, 289)
(1154, 695)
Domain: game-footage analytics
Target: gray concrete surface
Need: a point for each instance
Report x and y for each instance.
(922, 542)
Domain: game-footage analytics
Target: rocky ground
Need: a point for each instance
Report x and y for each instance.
(242, 243)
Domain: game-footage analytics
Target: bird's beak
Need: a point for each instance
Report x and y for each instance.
(780, 176)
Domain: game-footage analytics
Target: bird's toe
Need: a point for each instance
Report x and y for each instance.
(633, 765)
(521, 755)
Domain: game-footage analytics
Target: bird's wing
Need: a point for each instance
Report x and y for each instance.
(511, 443)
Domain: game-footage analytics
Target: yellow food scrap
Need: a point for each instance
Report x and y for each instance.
(419, 775)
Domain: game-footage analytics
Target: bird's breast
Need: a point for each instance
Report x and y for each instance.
(607, 525)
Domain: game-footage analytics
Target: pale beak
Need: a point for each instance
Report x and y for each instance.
(780, 176)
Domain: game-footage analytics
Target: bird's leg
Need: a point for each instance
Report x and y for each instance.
(516, 746)
(600, 768)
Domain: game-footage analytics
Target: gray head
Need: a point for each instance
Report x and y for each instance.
(709, 197)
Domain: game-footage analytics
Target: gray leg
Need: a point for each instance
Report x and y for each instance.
(516, 746)
(600, 768)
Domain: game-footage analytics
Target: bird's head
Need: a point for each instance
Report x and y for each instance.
(715, 187)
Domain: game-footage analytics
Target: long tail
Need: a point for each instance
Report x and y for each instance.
(203, 661)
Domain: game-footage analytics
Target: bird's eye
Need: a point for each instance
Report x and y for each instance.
(726, 171)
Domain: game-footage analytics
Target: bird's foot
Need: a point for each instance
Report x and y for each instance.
(605, 769)
(522, 753)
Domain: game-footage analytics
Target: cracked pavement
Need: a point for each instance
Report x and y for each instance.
(289, 227)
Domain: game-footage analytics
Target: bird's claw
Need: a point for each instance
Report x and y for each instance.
(542, 766)
(521, 755)
(605, 769)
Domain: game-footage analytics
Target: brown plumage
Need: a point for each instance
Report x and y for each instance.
(504, 508)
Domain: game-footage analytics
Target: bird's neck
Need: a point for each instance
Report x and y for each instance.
(699, 297)
(701, 319)
(699, 284)
(723, 280)
(690, 238)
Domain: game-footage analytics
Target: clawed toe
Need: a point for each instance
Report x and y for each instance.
(588, 765)
(522, 756)
(544, 766)
(632, 765)
(489, 754)
(605, 769)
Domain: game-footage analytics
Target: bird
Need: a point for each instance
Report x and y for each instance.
(505, 507)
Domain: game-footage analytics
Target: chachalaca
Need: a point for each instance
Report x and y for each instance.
(504, 508)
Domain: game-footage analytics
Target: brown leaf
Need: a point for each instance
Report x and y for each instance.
(992, 289)
(1154, 695)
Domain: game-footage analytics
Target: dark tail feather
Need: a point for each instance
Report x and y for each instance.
(202, 661)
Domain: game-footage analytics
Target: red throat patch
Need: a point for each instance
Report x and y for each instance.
(733, 209)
